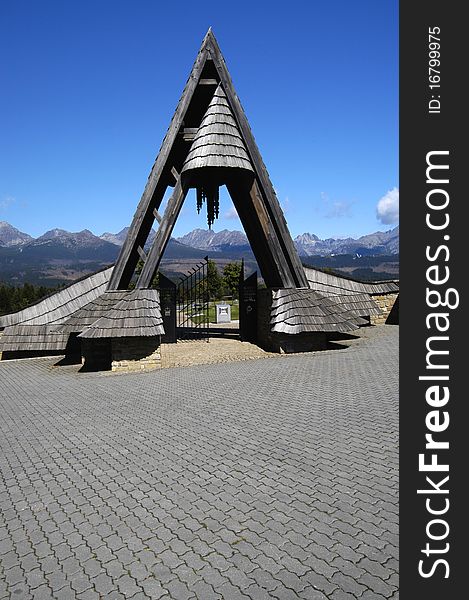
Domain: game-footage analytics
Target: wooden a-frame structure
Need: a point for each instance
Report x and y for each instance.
(251, 190)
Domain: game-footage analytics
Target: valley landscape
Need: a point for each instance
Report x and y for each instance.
(59, 256)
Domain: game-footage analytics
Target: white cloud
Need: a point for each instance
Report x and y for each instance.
(387, 209)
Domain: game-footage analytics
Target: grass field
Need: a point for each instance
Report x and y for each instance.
(212, 313)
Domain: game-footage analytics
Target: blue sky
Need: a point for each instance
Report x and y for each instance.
(88, 89)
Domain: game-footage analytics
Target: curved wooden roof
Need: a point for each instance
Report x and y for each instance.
(91, 312)
(138, 314)
(218, 141)
(334, 284)
(306, 311)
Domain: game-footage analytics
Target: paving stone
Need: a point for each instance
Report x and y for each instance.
(35, 578)
(161, 573)
(231, 592)
(103, 583)
(377, 585)
(20, 590)
(264, 579)
(310, 593)
(43, 593)
(348, 584)
(66, 593)
(283, 488)
(127, 586)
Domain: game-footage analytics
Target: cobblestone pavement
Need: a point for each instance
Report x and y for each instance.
(257, 479)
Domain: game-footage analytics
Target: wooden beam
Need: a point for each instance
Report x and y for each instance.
(189, 133)
(157, 215)
(143, 218)
(142, 253)
(208, 82)
(239, 194)
(249, 204)
(163, 234)
(297, 277)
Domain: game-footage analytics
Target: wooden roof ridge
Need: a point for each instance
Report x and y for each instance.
(341, 275)
(57, 307)
(338, 284)
(285, 257)
(138, 314)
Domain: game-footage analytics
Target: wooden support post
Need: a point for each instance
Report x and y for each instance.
(298, 277)
(249, 205)
(163, 234)
(142, 253)
(155, 187)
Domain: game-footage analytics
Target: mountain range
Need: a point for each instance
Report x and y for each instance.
(307, 244)
(59, 255)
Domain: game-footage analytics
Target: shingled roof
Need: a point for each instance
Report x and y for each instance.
(359, 304)
(91, 312)
(334, 284)
(32, 338)
(306, 311)
(59, 306)
(218, 141)
(138, 314)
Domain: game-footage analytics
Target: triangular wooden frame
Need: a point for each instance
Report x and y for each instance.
(255, 199)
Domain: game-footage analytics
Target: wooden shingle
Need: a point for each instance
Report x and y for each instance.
(138, 314)
(297, 311)
(218, 141)
(334, 284)
(32, 338)
(91, 312)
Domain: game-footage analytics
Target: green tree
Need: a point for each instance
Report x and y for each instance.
(214, 281)
(231, 275)
(14, 298)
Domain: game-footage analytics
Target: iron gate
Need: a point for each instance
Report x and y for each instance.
(192, 303)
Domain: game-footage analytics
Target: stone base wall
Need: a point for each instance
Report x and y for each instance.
(136, 354)
(283, 342)
(386, 303)
(125, 355)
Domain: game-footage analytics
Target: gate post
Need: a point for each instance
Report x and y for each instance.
(168, 308)
(248, 307)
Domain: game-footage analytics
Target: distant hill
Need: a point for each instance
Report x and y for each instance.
(307, 244)
(59, 255)
(10, 236)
